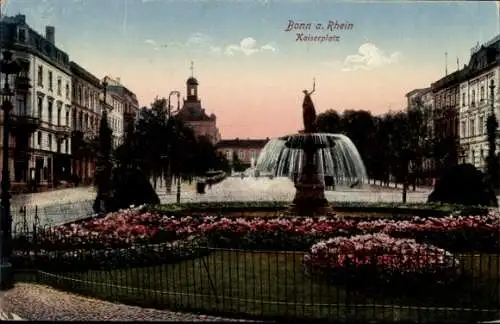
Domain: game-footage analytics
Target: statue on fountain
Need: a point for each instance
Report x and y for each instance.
(308, 111)
(310, 189)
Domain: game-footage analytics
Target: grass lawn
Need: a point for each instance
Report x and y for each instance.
(274, 284)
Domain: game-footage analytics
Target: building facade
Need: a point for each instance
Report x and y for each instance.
(195, 117)
(40, 130)
(115, 102)
(85, 117)
(246, 150)
(445, 117)
(475, 101)
(127, 97)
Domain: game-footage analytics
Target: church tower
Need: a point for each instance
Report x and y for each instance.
(192, 86)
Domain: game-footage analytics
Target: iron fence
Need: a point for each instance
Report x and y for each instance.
(191, 273)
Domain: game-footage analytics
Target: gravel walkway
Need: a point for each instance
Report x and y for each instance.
(40, 303)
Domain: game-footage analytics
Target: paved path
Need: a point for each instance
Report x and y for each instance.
(41, 303)
(65, 205)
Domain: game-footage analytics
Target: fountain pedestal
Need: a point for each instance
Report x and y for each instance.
(309, 189)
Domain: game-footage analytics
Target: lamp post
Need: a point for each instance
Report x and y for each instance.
(103, 184)
(169, 115)
(492, 94)
(492, 127)
(8, 74)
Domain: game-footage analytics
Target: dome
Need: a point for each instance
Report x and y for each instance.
(192, 81)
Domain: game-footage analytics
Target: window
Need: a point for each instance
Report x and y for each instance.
(481, 125)
(40, 106)
(79, 93)
(241, 155)
(21, 35)
(67, 90)
(463, 99)
(482, 93)
(59, 115)
(50, 142)
(59, 87)
(49, 111)
(463, 129)
(473, 98)
(67, 117)
(39, 138)
(191, 92)
(80, 120)
(73, 119)
(229, 155)
(471, 128)
(50, 80)
(472, 157)
(66, 146)
(40, 76)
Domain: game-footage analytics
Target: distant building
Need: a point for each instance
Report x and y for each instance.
(247, 150)
(129, 99)
(85, 117)
(115, 103)
(446, 93)
(475, 101)
(41, 142)
(194, 116)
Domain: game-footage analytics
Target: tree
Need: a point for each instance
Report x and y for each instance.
(492, 160)
(104, 167)
(329, 122)
(131, 185)
(153, 138)
(359, 126)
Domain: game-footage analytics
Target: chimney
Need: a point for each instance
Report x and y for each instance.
(20, 18)
(118, 80)
(50, 34)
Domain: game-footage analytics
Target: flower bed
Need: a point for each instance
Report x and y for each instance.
(382, 258)
(136, 227)
(82, 259)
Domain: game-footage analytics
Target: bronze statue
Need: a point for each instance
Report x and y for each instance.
(308, 111)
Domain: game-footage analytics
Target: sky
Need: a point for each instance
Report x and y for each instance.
(250, 69)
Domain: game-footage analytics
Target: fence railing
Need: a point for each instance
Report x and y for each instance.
(53, 214)
(398, 281)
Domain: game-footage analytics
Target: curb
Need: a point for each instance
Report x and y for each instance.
(9, 317)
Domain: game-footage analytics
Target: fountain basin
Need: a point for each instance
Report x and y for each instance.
(335, 158)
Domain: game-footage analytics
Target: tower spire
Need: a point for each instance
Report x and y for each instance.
(446, 63)
(192, 69)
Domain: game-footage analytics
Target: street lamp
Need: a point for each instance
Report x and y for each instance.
(169, 115)
(492, 94)
(9, 70)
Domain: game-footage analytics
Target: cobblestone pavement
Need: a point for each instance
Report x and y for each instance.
(40, 303)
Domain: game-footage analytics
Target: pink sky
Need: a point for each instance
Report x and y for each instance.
(250, 103)
(251, 71)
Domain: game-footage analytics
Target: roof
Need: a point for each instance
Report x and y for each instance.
(242, 143)
(193, 114)
(415, 91)
(453, 79)
(192, 81)
(84, 74)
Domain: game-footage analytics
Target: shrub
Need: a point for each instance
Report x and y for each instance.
(380, 258)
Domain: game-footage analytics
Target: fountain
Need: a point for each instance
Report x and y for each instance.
(312, 160)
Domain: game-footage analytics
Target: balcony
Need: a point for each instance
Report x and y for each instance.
(62, 132)
(89, 136)
(24, 124)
